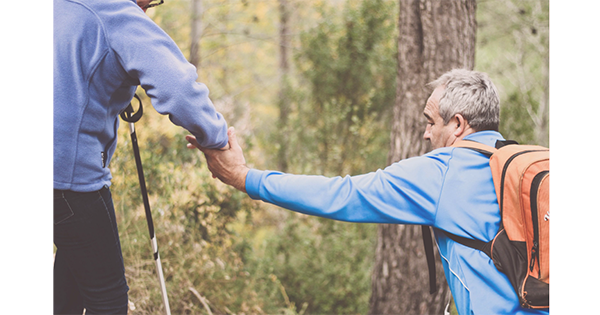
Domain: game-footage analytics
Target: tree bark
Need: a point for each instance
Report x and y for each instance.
(196, 33)
(434, 37)
(284, 86)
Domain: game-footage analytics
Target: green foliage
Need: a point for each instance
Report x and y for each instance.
(512, 47)
(339, 124)
(513, 114)
(323, 266)
(210, 240)
(192, 215)
(348, 63)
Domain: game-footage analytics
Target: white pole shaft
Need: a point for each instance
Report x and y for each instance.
(161, 277)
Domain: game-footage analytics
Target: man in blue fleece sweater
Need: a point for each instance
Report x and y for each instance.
(104, 49)
(448, 188)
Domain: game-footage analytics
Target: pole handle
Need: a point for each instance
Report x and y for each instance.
(129, 115)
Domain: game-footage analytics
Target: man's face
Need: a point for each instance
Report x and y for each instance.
(437, 133)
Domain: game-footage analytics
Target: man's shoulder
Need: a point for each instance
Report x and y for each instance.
(487, 137)
(445, 155)
(97, 8)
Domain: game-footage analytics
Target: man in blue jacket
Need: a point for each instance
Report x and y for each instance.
(448, 188)
(104, 49)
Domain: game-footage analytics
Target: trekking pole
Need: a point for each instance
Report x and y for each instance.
(129, 116)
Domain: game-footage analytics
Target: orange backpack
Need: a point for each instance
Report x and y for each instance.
(521, 248)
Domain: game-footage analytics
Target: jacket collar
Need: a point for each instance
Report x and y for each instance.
(487, 137)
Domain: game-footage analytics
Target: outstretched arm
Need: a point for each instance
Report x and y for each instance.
(403, 193)
(227, 164)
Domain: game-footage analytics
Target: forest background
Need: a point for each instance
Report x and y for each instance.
(324, 109)
(222, 252)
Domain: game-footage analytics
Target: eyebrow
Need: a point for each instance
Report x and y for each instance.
(427, 116)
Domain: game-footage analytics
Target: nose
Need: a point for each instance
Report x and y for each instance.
(427, 133)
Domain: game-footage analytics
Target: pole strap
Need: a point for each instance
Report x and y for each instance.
(128, 114)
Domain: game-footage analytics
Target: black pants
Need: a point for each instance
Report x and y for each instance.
(88, 267)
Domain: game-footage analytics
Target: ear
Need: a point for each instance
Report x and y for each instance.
(461, 125)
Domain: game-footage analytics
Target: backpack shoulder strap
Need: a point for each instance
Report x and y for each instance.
(475, 146)
(487, 151)
(485, 247)
(429, 256)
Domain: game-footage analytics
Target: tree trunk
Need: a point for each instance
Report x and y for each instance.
(196, 33)
(284, 86)
(434, 37)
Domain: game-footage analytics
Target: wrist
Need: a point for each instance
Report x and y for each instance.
(240, 183)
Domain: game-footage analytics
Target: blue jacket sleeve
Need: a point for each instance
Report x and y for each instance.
(149, 55)
(406, 192)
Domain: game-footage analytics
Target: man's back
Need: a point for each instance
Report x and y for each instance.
(87, 77)
(104, 49)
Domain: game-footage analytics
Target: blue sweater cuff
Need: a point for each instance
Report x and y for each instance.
(253, 179)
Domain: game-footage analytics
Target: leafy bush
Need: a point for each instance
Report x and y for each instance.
(323, 266)
(192, 213)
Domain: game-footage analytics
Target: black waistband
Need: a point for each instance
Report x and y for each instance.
(58, 193)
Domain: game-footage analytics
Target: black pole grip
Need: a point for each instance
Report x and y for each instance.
(128, 114)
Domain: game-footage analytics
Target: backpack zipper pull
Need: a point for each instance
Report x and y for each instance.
(534, 253)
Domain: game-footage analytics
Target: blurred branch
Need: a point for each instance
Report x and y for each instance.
(202, 299)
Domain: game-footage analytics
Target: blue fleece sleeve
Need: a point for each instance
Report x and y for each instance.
(149, 55)
(404, 193)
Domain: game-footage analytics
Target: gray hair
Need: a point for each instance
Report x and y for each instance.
(471, 94)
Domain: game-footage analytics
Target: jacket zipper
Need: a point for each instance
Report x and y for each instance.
(104, 154)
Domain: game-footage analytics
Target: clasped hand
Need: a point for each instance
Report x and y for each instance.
(227, 164)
